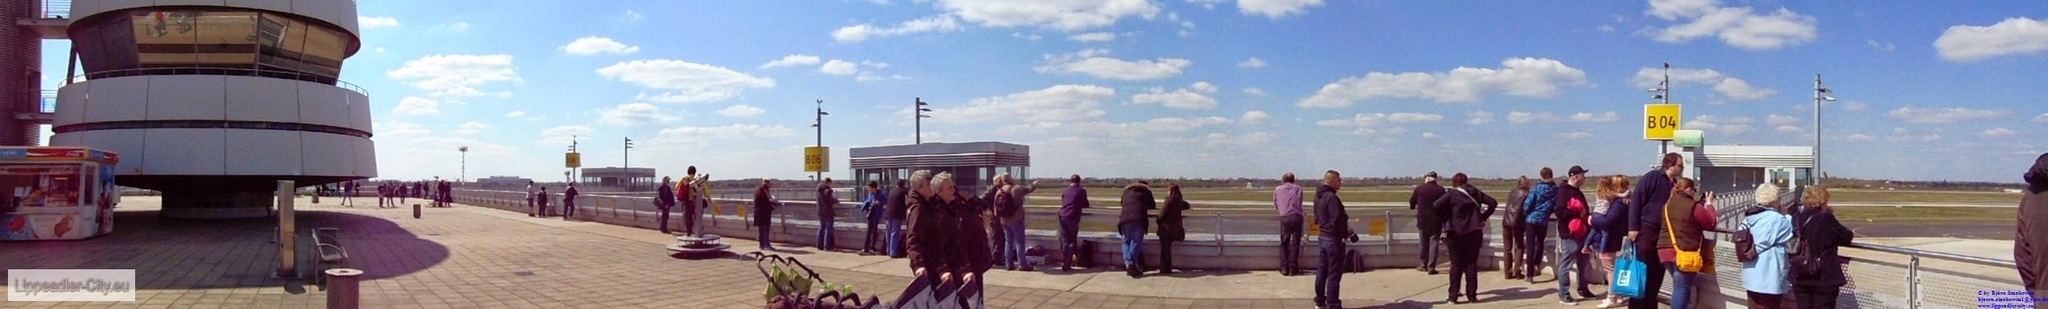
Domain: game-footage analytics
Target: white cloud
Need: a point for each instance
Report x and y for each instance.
(1884, 46)
(1058, 103)
(1997, 132)
(1524, 77)
(632, 114)
(417, 106)
(1206, 4)
(684, 136)
(1203, 87)
(1734, 88)
(1177, 124)
(1093, 37)
(1590, 117)
(1790, 129)
(862, 32)
(1859, 137)
(2042, 118)
(1479, 117)
(453, 27)
(592, 45)
(380, 49)
(1604, 28)
(1854, 106)
(2014, 36)
(1575, 135)
(1526, 117)
(792, 60)
(632, 16)
(839, 67)
(1430, 135)
(1094, 62)
(373, 22)
(1276, 9)
(871, 76)
(1740, 27)
(1721, 125)
(1055, 15)
(1946, 115)
(471, 128)
(1252, 63)
(1178, 98)
(560, 136)
(1380, 119)
(1254, 117)
(516, 114)
(686, 82)
(1778, 120)
(1903, 135)
(1254, 91)
(741, 111)
(456, 75)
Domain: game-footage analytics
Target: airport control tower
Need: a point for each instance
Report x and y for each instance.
(209, 101)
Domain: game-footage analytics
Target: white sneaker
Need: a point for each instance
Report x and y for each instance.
(1607, 303)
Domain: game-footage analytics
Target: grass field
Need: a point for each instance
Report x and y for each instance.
(1926, 214)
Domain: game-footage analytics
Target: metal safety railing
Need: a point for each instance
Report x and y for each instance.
(55, 8)
(48, 101)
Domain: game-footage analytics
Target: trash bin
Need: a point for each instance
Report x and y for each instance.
(343, 288)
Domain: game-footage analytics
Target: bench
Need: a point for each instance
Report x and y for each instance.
(327, 245)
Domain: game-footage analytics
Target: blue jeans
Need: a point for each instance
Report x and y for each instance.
(1681, 286)
(1570, 263)
(895, 237)
(1134, 235)
(825, 233)
(1330, 272)
(1015, 232)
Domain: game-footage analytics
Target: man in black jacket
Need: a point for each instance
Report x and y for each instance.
(1646, 203)
(1336, 228)
(664, 200)
(1428, 219)
(1467, 230)
(895, 215)
(1570, 259)
(1137, 200)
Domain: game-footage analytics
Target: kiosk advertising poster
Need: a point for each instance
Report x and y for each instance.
(56, 193)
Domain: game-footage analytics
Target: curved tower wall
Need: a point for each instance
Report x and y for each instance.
(213, 102)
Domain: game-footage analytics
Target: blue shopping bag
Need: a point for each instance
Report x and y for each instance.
(1629, 273)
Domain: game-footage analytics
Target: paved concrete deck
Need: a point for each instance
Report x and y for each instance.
(474, 257)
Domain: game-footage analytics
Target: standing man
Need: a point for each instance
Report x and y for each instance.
(1511, 230)
(1536, 224)
(764, 210)
(664, 201)
(1012, 216)
(828, 206)
(1646, 202)
(448, 194)
(898, 201)
(2031, 239)
(686, 196)
(1467, 229)
(993, 219)
(1071, 203)
(348, 193)
(1131, 225)
(874, 206)
(568, 202)
(1428, 219)
(543, 197)
(1336, 229)
(1287, 200)
(532, 198)
(1570, 215)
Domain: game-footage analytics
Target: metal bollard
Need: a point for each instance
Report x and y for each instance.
(415, 211)
(343, 288)
(1219, 232)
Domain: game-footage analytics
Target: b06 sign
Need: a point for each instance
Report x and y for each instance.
(817, 159)
(1659, 121)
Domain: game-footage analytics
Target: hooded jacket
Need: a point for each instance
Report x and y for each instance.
(1330, 215)
(1136, 201)
(1541, 199)
(2030, 244)
(764, 207)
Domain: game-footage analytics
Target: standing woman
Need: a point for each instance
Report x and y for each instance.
(764, 209)
(1688, 220)
(1822, 237)
(1609, 224)
(1170, 227)
(1764, 277)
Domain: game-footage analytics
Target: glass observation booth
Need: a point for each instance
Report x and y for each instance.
(972, 163)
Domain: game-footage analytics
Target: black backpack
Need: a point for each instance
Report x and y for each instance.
(1006, 204)
(1803, 261)
(1745, 245)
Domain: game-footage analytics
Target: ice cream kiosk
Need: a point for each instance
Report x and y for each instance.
(56, 193)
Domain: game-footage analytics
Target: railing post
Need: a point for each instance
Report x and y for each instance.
(1913, 282)
(1389, 216)
(1218, 232)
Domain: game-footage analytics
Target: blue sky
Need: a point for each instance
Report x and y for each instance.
(1198, 88)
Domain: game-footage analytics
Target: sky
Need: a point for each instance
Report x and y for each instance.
(1197, 88)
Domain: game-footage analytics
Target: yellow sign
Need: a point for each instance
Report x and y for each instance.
(817, 159)
(1659, 121)
(1376, 227)
(573, 160)
(1314, 229)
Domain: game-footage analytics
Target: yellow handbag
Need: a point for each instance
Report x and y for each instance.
(1688, 261)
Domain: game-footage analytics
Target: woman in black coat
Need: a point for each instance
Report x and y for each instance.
(764, 210)
(1170, 227)
(1824, 236)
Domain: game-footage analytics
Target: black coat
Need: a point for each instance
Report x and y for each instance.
(1824, 235)
(1170, 224)
(897, 207)
(1561, 210)
(1429, 218)
(764, 208)
(1466, 216)
(1336, 224)
(2030, 244)
(1137, 201)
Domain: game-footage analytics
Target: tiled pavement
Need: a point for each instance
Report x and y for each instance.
(471, 257)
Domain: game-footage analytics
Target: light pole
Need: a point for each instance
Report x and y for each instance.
(465, 163)
(568, 176)
(630, 181)
(820, 125)
(1820, 93)
(921, 109)
(1663, 91)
